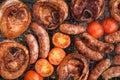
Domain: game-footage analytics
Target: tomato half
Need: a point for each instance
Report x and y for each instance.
(44, 68)
(61, 40)
(56, 55)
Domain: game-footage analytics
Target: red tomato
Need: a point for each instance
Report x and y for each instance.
(32, 75)
(95, 29)
(110, 25)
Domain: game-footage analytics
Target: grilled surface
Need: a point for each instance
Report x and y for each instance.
(70, 49)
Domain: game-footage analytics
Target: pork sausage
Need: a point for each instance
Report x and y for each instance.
(15, 18)
(113, 38)
(33, 47)
(117, 49)
(83, 49)
(72, 29)
(43, 39)
(99, 68)
(116, 60)
(96, 44)
(111, 73)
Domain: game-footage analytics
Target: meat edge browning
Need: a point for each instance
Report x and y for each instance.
(85, 71)
(6, 4)
(103, 8)
(114, 9)
(85, 7)
(3, 71)
(60, 3)
(63, 12)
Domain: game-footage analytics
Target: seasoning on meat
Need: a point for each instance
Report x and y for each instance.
(43, 39)
(74, 66)
(72, 29)
(111, 73)
(95, 44)
(89, 53)
(99, 69)
(113, 38)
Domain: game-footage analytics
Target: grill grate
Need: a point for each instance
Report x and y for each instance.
(69, 19)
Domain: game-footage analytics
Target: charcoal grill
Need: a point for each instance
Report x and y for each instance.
(71, 48)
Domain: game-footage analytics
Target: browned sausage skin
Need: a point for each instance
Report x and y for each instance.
(96, 44)
(44, 41)
(113, 38)
(116, 60)
(117, 49)
(33, 47)
(74, 66)
(83, 49)
(14, 59)
(99, 69)
(72, 29)
(111, 73)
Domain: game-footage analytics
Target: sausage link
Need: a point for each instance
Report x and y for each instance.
(83, 49)
(112, 38)
(33, 47)
(72, 29)
(116, 60)
(117, 49)
(96, 44)
(111, 73)
(99, 68)
(43, 39)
